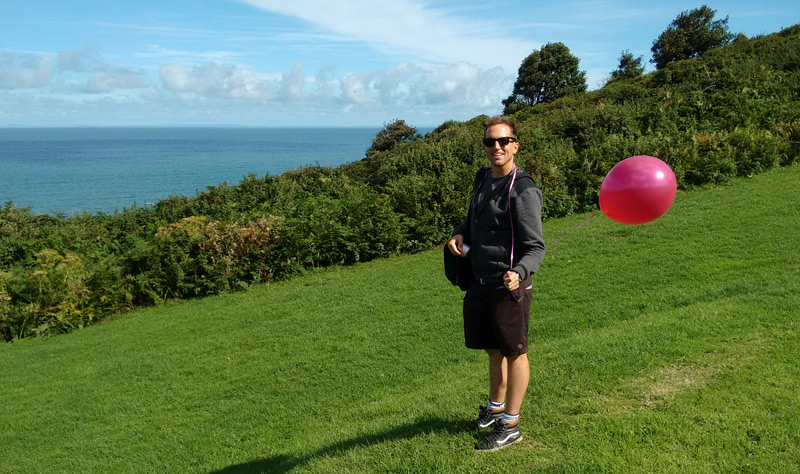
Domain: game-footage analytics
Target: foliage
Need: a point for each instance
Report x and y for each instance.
(629, 67)
(691, 34)
(393, 133)
(58, 299)
(544, 76)
(731, 112)
(348, 226)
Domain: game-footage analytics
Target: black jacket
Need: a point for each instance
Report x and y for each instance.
(487, 228)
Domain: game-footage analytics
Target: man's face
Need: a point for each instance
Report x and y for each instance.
(500, 157)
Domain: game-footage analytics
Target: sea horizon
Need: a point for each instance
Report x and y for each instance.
(16, 127)
(69, 170)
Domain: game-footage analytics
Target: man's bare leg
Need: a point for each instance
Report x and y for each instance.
(498, 376)
(519, 375)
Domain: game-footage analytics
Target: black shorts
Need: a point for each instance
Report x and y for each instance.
(495, 318)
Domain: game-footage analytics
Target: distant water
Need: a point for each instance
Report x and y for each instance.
(70, 170)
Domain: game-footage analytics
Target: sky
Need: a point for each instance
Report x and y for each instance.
(311, 63)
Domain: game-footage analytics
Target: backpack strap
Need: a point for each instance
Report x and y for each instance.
(510, 219)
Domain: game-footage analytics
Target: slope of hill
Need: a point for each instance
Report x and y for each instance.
(667, 347)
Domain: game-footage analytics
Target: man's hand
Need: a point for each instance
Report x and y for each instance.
(511, 280)
(455, 245)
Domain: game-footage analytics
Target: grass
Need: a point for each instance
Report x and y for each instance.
(667, 347)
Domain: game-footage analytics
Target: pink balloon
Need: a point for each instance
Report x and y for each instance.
(637, 190)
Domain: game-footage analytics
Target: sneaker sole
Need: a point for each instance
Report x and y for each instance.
(501, 447)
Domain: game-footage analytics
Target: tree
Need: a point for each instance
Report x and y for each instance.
(544, 76)
(392, 134)
(629, 67)
(691, 34)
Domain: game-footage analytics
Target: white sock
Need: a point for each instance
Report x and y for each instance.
(494, 406)
(508, 419)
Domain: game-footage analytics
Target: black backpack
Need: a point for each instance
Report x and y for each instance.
(457, 269)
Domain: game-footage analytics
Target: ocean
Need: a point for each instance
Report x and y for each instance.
(69, 170)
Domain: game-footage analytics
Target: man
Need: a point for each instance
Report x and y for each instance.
(504, 231)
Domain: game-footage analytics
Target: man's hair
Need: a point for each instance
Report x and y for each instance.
(501, 120)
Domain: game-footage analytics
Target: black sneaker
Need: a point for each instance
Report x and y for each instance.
(487, 417)
(503, 435)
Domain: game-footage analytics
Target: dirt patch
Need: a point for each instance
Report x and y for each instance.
(664, 384)
(669, 381)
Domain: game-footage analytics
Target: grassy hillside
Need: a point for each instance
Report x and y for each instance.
(667, 347)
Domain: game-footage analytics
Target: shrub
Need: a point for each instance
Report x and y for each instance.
(789, 141)
(753, 151)
(56, 298)
(356, 226)
(246, 253)
(9, 326)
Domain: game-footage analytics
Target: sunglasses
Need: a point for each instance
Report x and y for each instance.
(503, 141)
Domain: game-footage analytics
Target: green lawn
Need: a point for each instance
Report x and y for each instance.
(667, 347)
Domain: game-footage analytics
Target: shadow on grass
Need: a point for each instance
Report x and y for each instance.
(285, 463)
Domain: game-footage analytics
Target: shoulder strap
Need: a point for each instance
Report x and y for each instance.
(476, 186)
(510, 219)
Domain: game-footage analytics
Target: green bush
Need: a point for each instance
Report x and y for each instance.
(789, 142)
(56, 295)
(353, 227)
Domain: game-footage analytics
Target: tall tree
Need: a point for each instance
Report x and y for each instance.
(691, 34)
(544, 76)
(629, 67)
(391, 134)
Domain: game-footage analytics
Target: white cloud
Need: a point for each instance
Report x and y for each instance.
(465, 85)
(385, 86)
(457, 85)
(326, 82)
(24, 71)
(85, 60)
(293, 84)
(410, 26)
(86, 72)
(355, 89)
(205, 90)
(218, 92)
(159, 52)
(110, 78)
(216, 79)
(71, 61)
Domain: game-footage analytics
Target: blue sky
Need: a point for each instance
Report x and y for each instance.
(310, 62)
